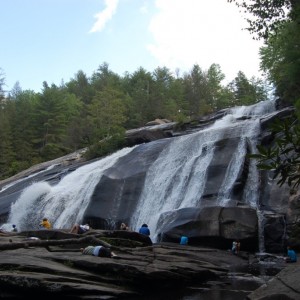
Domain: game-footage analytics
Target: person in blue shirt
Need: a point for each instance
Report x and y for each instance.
(184, 240)
(291, 255)
(144, 230)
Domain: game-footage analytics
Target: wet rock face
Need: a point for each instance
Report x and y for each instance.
(117, 194)
(212, 226)
(126, 179)
(217, 171)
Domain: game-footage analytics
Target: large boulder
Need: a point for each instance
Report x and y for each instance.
(211, 226)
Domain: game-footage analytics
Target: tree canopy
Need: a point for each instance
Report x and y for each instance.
(265, 16)
(278, 24)
(96, 111)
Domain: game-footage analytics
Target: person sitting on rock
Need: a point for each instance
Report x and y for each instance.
(291, 255)
(144, 230)
(233, 248)
(184, 240)
(124, 227)
(80, 229)
(99, 251)
(14, 228)
(45, 224)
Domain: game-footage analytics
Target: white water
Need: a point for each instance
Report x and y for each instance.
(63, 204)
(175, 180)
(178, 176)
(25, 178)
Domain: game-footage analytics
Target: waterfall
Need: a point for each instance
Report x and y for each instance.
(261, 236)
(175, 179)
(63, 204)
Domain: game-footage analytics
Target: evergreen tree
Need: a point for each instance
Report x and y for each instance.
(280, 61)
(80, 86)
(160, 99)
(22, 127)
(247, 92)
(51, 120)
(138, 86)
(197, 92)
(106, 114)
(6, 149)
(104, 78)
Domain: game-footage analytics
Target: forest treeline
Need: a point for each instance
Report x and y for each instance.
(95, 112)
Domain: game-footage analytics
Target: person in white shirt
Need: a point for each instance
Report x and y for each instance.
(79, 229)
(100, 251)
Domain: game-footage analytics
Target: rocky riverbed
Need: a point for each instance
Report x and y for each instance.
(49, 263)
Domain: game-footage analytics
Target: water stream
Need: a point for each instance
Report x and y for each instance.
(175, 180)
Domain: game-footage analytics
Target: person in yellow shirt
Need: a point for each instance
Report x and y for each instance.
(45, 223)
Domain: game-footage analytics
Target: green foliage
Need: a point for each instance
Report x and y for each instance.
(138, 87)
(94, 111)
(2, 82)
(106, 146)
(280, 61)
(81, 87)
(267, 15)
(6, 149)
(246, 92)
(278, 24)
(283, 156)
(106, 114)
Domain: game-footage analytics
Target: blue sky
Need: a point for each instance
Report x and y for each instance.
(51, 40)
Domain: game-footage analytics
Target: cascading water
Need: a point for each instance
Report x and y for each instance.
(176, 178)
(261, 237)
(64, 204)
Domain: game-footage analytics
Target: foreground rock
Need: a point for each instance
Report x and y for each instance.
(284, 286)
(53, 264)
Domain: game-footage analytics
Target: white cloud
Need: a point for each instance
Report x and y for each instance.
(104, 16)
(188, 32)
(144, 8)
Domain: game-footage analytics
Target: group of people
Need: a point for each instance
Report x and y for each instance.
(76, 228)
(144, 229)
(82, 228)
(44, 224)
(101, 251)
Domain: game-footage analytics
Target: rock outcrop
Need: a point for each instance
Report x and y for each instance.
(49, 263)
(214, 226)
(284, 286)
